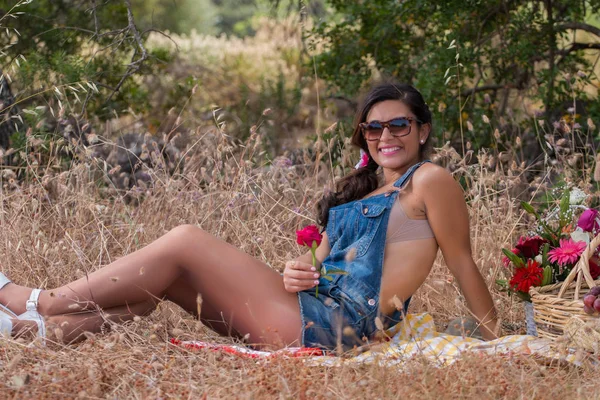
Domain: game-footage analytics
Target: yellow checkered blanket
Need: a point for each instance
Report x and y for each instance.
(416, 336)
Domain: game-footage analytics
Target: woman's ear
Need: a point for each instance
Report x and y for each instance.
(424, 132)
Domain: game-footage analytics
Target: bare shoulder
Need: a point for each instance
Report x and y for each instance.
(442, 197)
(431, 178)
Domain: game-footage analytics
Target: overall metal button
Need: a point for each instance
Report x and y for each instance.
(365, 210)
(371, 302)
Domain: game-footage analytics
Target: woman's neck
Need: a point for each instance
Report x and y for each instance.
(392, 175)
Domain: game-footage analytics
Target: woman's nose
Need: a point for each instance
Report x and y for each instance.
(389, 134)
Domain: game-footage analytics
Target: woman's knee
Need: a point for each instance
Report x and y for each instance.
(185, 237)
(186, 232)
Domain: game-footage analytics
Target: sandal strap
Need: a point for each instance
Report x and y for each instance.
(32, 313)
(32, 303)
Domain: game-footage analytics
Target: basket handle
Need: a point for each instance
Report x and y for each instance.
(581, 268)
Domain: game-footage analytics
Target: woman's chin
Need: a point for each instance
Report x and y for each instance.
(393, 163)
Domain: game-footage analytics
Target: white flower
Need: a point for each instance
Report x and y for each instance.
(538, 258)
(578, 235)
(577, 196)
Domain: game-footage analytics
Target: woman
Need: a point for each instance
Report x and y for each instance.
(383, 230)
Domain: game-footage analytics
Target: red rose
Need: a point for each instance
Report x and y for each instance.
(530, 246)
(308, 235)
(526, 277)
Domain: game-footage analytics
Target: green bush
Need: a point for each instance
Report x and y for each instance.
(469, 58)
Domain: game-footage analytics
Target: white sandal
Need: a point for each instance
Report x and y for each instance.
(5, 324)
(31, 313)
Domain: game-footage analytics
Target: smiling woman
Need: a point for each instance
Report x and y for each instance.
(382, 231)
(404, 139)
(425, 208)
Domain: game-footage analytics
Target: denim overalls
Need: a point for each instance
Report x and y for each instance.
(345, 310)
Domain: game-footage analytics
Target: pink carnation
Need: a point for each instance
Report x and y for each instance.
(568, 252)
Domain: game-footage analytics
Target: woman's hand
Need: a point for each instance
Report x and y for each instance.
(298, 276)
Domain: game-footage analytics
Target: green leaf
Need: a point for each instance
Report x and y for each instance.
(545, 249)
(564, 208)
(547, 276)
(503, 283)
(329, 278)
(515, 259)
(529, 208)
(564, 203)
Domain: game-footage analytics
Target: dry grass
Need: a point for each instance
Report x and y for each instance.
(59, 226)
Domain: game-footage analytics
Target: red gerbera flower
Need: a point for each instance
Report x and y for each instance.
(526, 277)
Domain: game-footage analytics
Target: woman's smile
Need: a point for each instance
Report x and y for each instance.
(389, 150)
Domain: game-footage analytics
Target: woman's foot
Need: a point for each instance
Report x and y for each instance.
(14, 297)
(19, 304)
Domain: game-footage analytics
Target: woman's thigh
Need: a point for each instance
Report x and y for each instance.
(182, 293)
(237, 288)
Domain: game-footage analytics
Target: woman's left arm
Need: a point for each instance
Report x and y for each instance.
(448, 217)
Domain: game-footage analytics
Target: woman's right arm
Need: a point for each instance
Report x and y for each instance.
(300, 274)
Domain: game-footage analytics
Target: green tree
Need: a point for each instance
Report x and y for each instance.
(500, 49)
(178, 16)
(49, 47)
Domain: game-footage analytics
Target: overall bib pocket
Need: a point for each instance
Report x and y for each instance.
(367, 223)
(361, 220)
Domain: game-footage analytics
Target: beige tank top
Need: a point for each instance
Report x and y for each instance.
(402, 229)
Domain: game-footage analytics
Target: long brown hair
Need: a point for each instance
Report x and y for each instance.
(363, 181)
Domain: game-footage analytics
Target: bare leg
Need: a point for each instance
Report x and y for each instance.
(73, 326)
(248, 294)
(183, 294)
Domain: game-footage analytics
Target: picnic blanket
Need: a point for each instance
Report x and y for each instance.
(414, 336)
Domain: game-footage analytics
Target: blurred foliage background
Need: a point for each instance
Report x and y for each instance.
(510, 77)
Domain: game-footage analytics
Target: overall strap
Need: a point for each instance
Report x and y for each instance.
(404, 178)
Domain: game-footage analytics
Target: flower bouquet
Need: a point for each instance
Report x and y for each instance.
(548, 255)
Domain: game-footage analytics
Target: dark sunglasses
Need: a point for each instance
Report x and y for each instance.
(398, 127)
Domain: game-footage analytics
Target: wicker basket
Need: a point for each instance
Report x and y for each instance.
(555, 304)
